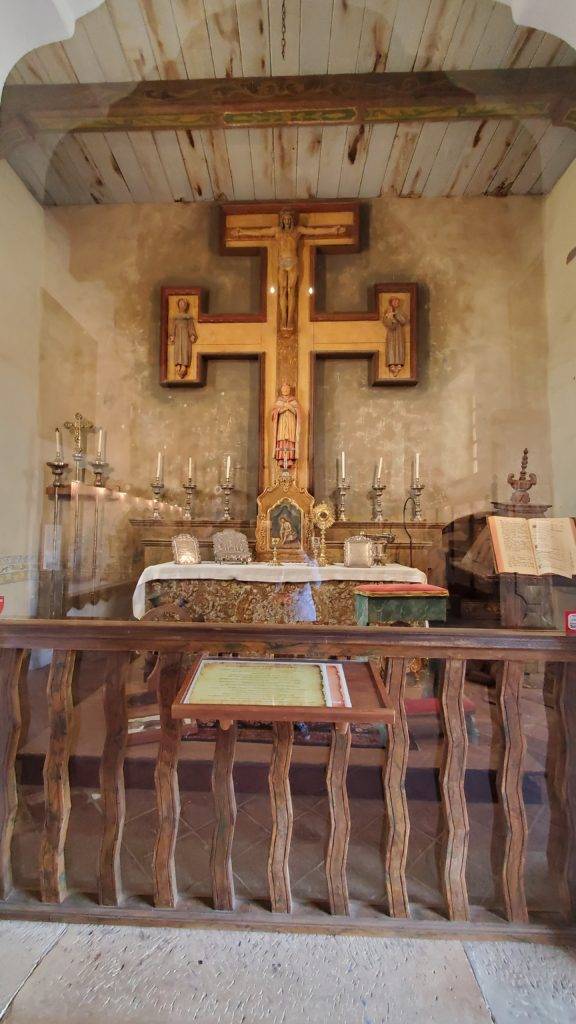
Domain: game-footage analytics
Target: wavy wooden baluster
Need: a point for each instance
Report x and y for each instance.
(13, 667)
(56, 781)
(166, 782)
(561, 778)
(397, 831)
(510, 788)
(282, 818)
(225, 806)
(112, 778)
(339, 819)
(452, 775)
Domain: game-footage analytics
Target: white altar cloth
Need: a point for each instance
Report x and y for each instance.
(266, 572)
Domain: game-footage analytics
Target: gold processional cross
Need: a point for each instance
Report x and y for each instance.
(289, 333)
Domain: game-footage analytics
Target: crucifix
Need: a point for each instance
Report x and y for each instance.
(288, 333)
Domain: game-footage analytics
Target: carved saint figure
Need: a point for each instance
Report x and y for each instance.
(288, 234)
(182, 334)
(286, 418)
(395, 321)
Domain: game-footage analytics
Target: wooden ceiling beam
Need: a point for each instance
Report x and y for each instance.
(28, 110)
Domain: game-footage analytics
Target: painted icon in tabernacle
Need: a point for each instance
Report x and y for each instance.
(286, 524)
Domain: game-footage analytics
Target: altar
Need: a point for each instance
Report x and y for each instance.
(263, 592)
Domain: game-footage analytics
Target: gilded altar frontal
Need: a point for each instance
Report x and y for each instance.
(288, 508)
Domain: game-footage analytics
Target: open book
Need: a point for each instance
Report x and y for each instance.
(534, 547)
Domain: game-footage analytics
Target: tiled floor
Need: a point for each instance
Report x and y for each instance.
(81, 974)
(251, 842)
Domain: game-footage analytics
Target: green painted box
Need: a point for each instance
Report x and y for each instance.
(373, 609)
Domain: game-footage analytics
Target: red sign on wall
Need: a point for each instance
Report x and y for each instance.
(1, 604)
(570, 622)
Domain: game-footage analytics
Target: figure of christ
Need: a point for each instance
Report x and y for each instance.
(287, 532)
(286, 427)
(288, 235)
(395, 321)
(182, 334)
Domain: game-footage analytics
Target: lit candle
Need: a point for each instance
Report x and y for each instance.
(58, 444)
(378, 474)
(416, 468)
(228, 463)
(190, 468)
(343, 466)
(100, 444)
(160, 467)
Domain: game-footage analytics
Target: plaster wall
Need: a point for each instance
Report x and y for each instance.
(21, 268)
(559, 242)
(482, 392)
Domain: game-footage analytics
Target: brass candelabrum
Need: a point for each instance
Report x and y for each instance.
(377, 510)
(227, 489)
(342, 490)
(416, 495)
(189, 487)
(99, 468)
(158, 491)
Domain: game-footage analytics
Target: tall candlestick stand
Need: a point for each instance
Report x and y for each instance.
(99, 468)
(342, 491)
(377, 511)
(227, 489)
(189, 487)
(57, 467)
(158, 491)
(416, 494)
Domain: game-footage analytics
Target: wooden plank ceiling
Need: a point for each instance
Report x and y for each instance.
(133, 40)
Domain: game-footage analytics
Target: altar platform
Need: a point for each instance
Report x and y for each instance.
(263, 592)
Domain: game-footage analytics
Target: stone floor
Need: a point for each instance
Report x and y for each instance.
(83, 974)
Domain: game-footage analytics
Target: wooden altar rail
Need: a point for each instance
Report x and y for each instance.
(396, 646)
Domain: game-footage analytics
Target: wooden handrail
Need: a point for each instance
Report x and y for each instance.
(303, 638)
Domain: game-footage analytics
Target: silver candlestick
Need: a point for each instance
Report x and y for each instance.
(99, 467)
(158, 491)
(227, 489)
(377, 511)
(189, 487)
(342, 491)
(416, 493)
(57, 467)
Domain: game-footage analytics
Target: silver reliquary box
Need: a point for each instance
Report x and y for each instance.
(231, 546)
(186, 549)
(358, 552)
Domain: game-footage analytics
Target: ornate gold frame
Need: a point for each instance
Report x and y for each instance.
(271, 497)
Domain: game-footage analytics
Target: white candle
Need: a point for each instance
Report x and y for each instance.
(58, 444)
(343, 466)
(228, 461)
(160, 467)
(100, 443)
(416, 468)
(378, 473)
(190, 467)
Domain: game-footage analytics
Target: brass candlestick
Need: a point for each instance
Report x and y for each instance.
(57, 467)
(189, 487)
(158, 491)
(416, 495)
(377, 511)
(275, 544)
(99, 467)
(227, 489)
(522, 483)
(342, 490)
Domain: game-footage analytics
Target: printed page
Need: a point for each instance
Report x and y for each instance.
(554, 545)
(512, 541)
(278, 684)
